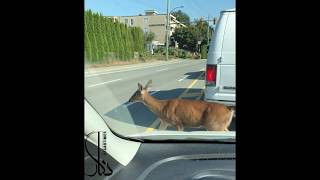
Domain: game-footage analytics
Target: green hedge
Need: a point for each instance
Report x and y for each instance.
(106, 40)
(203, 51)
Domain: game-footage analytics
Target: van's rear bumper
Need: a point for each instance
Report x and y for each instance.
(227, 103)
(212, 94)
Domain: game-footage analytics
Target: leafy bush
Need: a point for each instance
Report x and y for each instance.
(189, 55)
(172, 51)
(143, 56)
(160, 50)
(204, 52)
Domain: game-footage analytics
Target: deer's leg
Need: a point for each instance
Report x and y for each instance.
(227, 120)
(163, 125)
(208, 123)
(211, 123)
(179, 127)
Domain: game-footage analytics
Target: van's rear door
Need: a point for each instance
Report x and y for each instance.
(227, 62)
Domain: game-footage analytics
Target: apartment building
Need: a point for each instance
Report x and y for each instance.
(151, 21)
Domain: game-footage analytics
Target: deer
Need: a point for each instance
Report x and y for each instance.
(181, 113)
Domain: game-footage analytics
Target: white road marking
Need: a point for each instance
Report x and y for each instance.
(162, 69)
(130, 69)
(183, 78)
(202, 69)
(104, 83)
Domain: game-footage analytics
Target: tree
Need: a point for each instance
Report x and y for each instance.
(117, 39)
(114, 39)
(104, 32)
(102, 37)
(186, 37)
(95, 54)
(131, 43)
(203, 51)
(88, 54)
(182, 17)
(140, 39)
(137, 39)
(89, 46)
(149, 37)
(202, 27)
(108, 31)
(105, 38)
(123, 42)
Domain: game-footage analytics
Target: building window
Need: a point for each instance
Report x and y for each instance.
(145, 30)
(146, 20)
(126, 21)
(131, 22)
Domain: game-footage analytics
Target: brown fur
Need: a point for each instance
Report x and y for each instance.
(185, 113)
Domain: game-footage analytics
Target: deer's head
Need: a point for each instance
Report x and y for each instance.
(141, 92)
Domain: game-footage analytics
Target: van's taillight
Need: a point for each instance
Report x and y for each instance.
(211, 74)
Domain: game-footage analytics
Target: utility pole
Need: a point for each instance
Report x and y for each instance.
(208, 30)
(214, 23)
(167, 32)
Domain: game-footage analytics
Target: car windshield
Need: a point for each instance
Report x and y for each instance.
(162, 70)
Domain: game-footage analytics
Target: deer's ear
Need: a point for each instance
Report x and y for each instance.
(149, 83)
(139, 87)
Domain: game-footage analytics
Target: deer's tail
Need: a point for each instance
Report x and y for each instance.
(232, 114)
(232, 108)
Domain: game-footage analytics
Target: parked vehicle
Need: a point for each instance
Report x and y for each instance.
(221, 63)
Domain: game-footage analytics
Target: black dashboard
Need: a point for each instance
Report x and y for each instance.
(170, 160)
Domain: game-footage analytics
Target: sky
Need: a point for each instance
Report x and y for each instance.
(194, 8)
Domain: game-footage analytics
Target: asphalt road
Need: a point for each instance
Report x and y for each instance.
(109, 89)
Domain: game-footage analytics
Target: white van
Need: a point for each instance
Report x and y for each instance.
(221, 63)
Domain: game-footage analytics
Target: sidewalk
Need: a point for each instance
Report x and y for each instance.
(89, 70)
